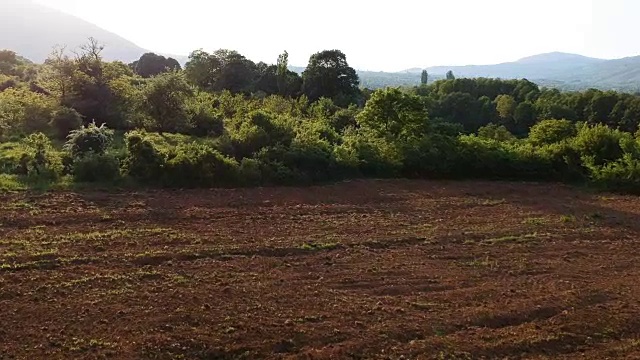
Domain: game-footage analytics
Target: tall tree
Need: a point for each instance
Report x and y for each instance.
(329, 75)
(151, 64)
(202, 69)
(424, 79)
(450, 75)
(282, 69)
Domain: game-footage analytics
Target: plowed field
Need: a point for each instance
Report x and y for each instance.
(362, 270)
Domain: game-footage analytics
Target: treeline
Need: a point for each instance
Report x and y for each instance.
(224, 120)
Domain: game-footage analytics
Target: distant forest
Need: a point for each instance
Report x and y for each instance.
(224, 120)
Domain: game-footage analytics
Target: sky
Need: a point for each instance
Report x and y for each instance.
(375, 35)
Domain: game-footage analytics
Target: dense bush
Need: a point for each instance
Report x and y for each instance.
(194, 165)
(145, 161)
(89, 139)
(96, 168)
(40, 161)
(66, 120)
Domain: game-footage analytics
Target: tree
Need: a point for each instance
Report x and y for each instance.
(551, 131)
(222, 70)
(329, 75)
(8, 62)
(450, 75)
(151, 64)
(424, 79)
(505, 106)
(166, 101)
(524, 117)
(282, 69)
(202, 68)
(391, 112)
(58, 73)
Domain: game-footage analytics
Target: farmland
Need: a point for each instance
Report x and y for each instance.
(366, 269)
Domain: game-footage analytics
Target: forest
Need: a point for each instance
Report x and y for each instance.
(224, 120)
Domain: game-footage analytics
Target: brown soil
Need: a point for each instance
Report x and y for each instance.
(362, 270)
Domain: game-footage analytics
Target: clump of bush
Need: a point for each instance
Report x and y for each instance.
(88, 149)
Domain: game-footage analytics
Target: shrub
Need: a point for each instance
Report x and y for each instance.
(96, 168)
(250, 172)
(204, 118)
(66, 120)
(195, 165)
(551, 131)
(144, 161)
(600, 143)
(89, 139)
(495, 132)
(40, 161)
(620, 175)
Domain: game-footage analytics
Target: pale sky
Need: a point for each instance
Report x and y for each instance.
(375, 35)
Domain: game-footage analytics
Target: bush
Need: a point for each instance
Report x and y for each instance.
(250, 172)
(620, 175)
(144, 161)
(40, 161)
(204, 118)
(195, 165)
(96, 168)
(551, 131)
(89, 139)
(495, 132)
(66, 120)
(600, 144)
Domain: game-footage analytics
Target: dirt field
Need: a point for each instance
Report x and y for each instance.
(362, 270)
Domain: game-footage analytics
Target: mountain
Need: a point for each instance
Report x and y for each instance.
(559, 70)
(32, 30)
(543, 66)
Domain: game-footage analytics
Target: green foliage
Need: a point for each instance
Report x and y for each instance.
(393, 113)
(89, 139)
(195, 165)
(495, 132)
(151, 64)
(23, 112)
(599, 144)
(204, 118)
(39, 160)
(329, 75)
(165, 101)
(227, 121)
(551, 131)
(65, 120)
(94, 167)
(145, 161)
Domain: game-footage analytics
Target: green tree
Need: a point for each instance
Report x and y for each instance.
(524, 117)
(391, 112)
(505, 106)
(202, 69)
(551, 131)
(8, 62)
(424, 78)
(282, 70)
(329, 75)
(151, 64)
(450, 75)
(165, 99)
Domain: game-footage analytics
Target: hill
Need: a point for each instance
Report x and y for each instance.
(32, 30)
(561, 70)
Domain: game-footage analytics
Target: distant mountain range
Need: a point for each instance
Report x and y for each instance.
(32, 30)
(568, 71)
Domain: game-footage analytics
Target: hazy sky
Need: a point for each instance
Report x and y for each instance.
(375, 35)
